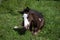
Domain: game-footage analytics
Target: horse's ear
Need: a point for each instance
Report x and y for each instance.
(27, 8)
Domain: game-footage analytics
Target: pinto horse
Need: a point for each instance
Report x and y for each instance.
(33, 20)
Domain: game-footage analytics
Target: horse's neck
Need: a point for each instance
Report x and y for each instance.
(26, 22)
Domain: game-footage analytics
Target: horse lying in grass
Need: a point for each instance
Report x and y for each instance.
(33, 20)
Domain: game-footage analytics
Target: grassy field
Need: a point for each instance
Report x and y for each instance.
(9, 17)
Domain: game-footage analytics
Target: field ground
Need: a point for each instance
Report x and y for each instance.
(9, 17)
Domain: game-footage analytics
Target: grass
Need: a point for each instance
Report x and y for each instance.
(9, 17)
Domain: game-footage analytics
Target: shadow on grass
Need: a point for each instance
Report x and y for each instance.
(20, 31)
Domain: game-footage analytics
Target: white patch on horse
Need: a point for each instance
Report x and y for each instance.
(40, 19)
(26, 22)
(16, 27)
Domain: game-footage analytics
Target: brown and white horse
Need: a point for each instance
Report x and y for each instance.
(33, 20)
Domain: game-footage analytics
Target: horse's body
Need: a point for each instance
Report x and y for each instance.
(34, 20)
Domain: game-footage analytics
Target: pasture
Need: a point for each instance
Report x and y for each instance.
(9, 17)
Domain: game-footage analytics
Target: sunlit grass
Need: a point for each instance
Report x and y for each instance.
(9, 17)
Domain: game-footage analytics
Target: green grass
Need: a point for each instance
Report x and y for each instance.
(9, 19)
